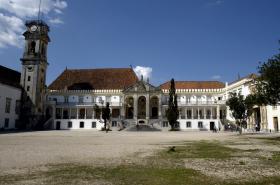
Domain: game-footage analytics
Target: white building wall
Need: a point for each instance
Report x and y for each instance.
(14, 94)
(271, 113)
(76, 124)
(73, 99)
(56, 98)
(194, 124)
(87, 99)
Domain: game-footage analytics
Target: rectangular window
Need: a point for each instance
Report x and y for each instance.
(27, 88)
(58, 113)
(82, 124)
(188, 124)
(114, 123)
(69, 124)
(89, 112)
(8, 105)
(17, 109)
(189, 114)
(200, 124)
(208, 114)
(28, 78)
(65, 114)
(73, 114)
(6, 123)
(165, 124)
(93, 124)
(82, 113)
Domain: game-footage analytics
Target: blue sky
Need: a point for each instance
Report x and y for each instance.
(181, 39)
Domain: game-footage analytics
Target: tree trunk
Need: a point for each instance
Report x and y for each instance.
(105, 125)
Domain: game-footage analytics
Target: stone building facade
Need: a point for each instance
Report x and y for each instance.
(10, 97)
(73, 96)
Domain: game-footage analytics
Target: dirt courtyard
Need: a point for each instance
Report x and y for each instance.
(31, 149)
(28, 151)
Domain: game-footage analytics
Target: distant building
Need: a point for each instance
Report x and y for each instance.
(10, 96)
(71, 99)
(264, 117)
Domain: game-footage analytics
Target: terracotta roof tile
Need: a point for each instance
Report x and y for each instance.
(87, 79)
(194, 85)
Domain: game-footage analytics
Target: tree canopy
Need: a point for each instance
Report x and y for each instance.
(268, 83)
(241, 107)
(106, 114)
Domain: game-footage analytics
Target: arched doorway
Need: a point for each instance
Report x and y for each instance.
(154, 103)
(142, 107)
(129, 107)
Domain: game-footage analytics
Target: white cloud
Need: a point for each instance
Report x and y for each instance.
(146, 72)
(219, 2)
(13, 14)
(56, 21)
(11, 29)
(60, 4)
(58, 11)
(216, 77)
(215, 3)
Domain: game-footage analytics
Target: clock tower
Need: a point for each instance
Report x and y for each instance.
(34, 67)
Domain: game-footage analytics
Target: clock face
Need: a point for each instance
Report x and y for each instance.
(33, 28)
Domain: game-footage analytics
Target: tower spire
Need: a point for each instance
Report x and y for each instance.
(39, 10)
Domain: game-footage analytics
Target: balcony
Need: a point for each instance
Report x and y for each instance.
(86, 104)
(219, 102)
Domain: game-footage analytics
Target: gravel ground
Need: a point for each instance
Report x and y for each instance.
(32, 149)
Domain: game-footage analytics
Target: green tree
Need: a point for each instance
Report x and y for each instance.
(97, 111)
(106, 114)
(172, 113)
(268, 83)
(241, 108)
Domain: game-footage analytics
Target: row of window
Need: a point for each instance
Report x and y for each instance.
(82, 124)
(82, 113)
(188, 124)
(81, 99)
(8, 106)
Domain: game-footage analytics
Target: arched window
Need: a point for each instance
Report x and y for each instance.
(129, 107)
(43, 49)
(32, 47)
(154, 104)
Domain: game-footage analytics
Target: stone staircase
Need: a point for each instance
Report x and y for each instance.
(152, 125)
(229, 125)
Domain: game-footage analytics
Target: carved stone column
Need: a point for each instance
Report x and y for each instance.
(159, 107)
(218, 112)
(123, 107)
(135, 107)
(147, 107)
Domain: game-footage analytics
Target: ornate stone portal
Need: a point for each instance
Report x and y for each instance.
(145, 98)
